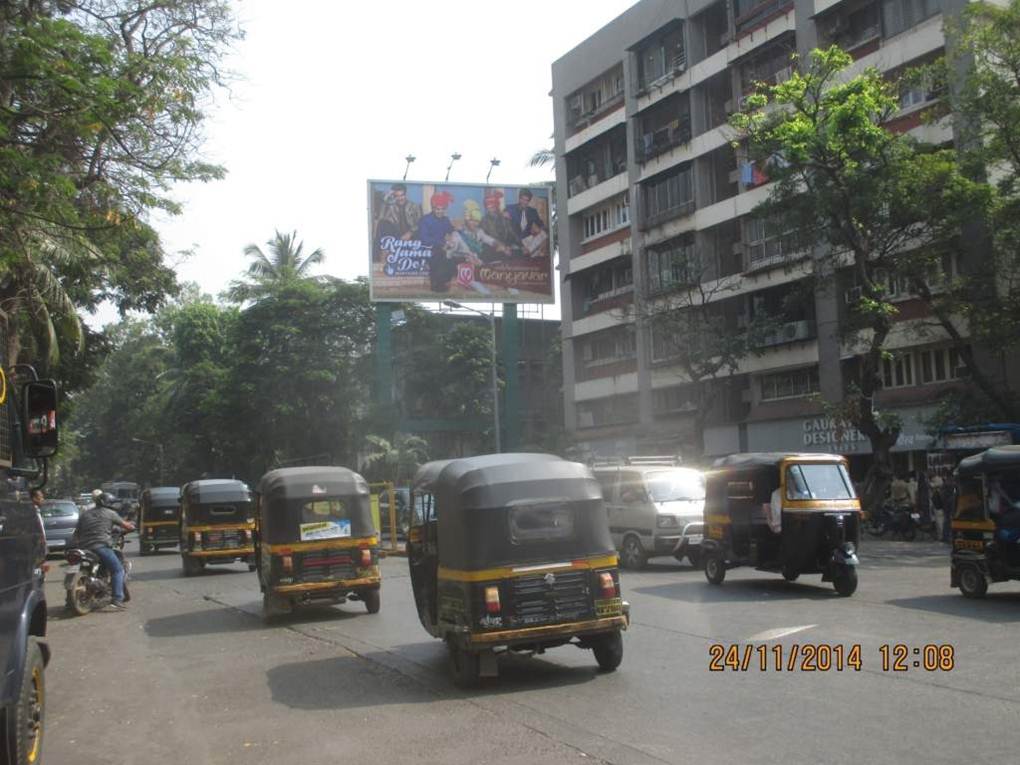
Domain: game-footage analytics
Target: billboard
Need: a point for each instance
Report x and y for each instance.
(463, 242)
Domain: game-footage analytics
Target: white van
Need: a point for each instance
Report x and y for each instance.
(654, 510)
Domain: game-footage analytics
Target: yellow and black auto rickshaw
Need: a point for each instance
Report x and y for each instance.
(511, 552)
(315, 539)
(787, 513)
(986, 521)
(217, 524)
(159, 519)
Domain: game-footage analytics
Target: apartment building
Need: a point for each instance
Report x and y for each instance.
(657, 198)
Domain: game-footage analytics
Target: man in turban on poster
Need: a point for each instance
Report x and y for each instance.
(497, 225)
(433, 231)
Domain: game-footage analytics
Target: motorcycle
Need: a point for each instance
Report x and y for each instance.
(88, 583)
(897, 520)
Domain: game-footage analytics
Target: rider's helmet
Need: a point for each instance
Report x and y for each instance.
(102, 498)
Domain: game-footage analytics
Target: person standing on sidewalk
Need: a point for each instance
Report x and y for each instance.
(95, 532)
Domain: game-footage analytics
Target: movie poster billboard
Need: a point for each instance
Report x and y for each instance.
(453, 241)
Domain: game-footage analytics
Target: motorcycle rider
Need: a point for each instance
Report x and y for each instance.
(95, 532)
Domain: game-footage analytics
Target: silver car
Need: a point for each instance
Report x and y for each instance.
(654, 510)
(60, 517)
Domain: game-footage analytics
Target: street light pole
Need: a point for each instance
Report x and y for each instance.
(495, 375)
(159, 448)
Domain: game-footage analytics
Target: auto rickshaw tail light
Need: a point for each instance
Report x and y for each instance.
(607, 585)
(366, 558)
(288, 563)
(197, 536)
(492, 604)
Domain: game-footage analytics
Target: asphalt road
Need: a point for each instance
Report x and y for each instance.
(190, 674)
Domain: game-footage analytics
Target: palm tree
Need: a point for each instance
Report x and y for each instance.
(397, 461)
(38, 309)
(285, 264)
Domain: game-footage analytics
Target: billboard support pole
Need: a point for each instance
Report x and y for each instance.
(384, 365)
(511, 395)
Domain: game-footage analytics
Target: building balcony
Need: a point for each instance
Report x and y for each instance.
(587, 119)
(681, 210)
(676, 133)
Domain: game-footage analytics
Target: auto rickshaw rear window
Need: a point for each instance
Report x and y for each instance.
(820, 481)
(546, 522)
(222, 510)
(325, 509)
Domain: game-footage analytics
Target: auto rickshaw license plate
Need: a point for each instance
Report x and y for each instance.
(608, 607)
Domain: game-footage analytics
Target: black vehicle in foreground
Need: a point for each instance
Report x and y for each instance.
(28, 436)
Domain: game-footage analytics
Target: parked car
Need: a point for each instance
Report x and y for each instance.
(655, 508)
(60, 516)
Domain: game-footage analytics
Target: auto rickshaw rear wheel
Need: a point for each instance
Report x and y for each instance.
(973, 583)
(633, 555)
(144, 549)
(608, 650)
(372, 600)
(191, 565)
(790, 574)
(715, 568)
(844, 579)
(274, 606)
(465, 665)
(694, 557)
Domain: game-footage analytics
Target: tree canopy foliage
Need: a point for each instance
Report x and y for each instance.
(101, 108)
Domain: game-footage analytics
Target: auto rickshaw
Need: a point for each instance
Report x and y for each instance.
(511, 552)
(986, 521)
(315, 540)
(159, 518)
(217, 524)
(787, 513)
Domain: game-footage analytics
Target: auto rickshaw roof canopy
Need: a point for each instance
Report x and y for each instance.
(990, 461)
(212, 490)
(162, 496)
(311, 482)
(496, 480)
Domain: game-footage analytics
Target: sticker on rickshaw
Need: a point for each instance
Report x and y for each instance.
(491, 621)
(325, 530)
(608, 607)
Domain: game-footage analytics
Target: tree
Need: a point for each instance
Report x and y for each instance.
(284, 265)
(101, 115)
(300, 373)
(695, 331)
(983, 69)
(397, 461)
(858, 195)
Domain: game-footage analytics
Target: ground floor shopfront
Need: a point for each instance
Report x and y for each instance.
(814, 433)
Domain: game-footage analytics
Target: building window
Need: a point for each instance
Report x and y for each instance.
(671, 193)
(939, 365)
(609, 281)
(675, 399)
(613, 410)
(767, 242)
(609, 347)
(773, 66)
(664, 341)
(675, 264)
(663, 57)
(608, 217)
(900, 15)
(597, 96)
(799, 382)
(898, 371)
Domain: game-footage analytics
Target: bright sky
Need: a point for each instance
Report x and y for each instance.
(333, 93)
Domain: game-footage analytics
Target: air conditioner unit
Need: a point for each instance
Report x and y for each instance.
(737, 248)
(730, 106)
(796, 330)
(679, 63)
(724, 39)
(783, 75)
(852, 295)
(585, 419)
